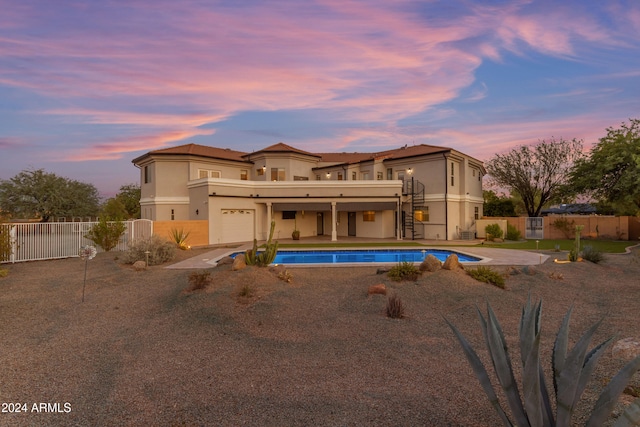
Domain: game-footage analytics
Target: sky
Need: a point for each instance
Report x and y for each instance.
(87, 86)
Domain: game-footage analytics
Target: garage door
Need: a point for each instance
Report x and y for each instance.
(237, 225)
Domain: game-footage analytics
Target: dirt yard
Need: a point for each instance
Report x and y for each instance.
(142, 350)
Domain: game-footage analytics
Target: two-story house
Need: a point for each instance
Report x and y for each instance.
(412, 192)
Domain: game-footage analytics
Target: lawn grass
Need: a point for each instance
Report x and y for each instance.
(606, 246)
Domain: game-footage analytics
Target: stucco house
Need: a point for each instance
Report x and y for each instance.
(412, 192)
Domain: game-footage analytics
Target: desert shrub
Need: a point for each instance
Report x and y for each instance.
(179, 236)
(404, 271)
(106, 234)
(493, 231)
(487, 275)
(395, 307)
(592, 254)
(513, 233)
(567, 227)
(160, 251)
(5, 242)
(199, 280)
(4, 272)
(285, 276)
(246, 291)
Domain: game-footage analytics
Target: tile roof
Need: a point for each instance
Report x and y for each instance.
(340, 158)
(199, 150)
(282, 148)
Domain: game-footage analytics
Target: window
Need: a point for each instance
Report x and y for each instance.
(389, 173)
(339, 176)
(206, 173)
(277, 174)
(354, 176)
(173, 216)
(379, 176)
(260, 171)
(369, 216)
(365, 175)
(421, 214)
(147, 175)
(288, 214)
(476, 213)
(318, 178)
(244, 174)
(452, 178)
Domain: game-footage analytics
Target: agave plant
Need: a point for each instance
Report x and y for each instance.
(571, 372)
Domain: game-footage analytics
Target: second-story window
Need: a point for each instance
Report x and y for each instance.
(354, 176)
(147, 175)
(452, 178)
(244, 175)
(277, 174)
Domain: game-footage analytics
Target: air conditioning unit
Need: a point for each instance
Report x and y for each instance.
(467, 235)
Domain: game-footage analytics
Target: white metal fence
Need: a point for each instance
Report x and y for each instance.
(52, 240)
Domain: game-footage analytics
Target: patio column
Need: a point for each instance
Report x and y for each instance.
(334, 232)
(269, 204)
(399, 221)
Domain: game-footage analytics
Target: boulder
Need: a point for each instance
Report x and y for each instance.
(139, 265)
(380, 289)
(452, 263)
(626, 349)
(226, 260)
(238, 263)
(431, 264)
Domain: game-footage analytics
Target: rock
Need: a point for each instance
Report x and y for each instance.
(431, 264)
(383, 270)
(238, 263)
(626, 349)
(380, 289)
(498, 240)
(139, 265)
(226, 260)
(452, 263)
(277, 269)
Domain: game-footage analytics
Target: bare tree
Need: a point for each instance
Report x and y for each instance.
(537, 173)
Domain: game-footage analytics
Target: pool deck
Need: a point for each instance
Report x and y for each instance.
(491, 256)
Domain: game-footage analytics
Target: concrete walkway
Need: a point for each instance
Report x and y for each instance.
(490, 256)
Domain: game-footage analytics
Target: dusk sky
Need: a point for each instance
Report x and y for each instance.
(86, 86)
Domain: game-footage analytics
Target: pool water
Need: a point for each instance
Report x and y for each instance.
(365, 256)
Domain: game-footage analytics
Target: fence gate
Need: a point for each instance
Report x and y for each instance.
(534, 228)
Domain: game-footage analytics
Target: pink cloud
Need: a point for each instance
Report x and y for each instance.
(117, 147)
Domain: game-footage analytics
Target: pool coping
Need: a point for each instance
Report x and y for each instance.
(488, 256)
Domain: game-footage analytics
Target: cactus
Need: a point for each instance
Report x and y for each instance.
(265, 257)
(571, 370)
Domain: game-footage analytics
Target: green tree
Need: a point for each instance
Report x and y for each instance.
(611, 171)
(114, 210)
(44, 195)
(106, 234)
(129, 196)
(495, 205)
(537, 173)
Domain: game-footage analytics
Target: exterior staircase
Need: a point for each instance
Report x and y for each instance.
(414, 189)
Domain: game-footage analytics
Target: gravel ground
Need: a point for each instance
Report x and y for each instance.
(143, 350)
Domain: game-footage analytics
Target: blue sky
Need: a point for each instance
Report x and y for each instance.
(86, 86)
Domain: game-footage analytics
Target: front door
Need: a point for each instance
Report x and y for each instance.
(320, 224)
(352, 223)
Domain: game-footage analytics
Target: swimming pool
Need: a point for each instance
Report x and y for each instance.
(363, 256)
